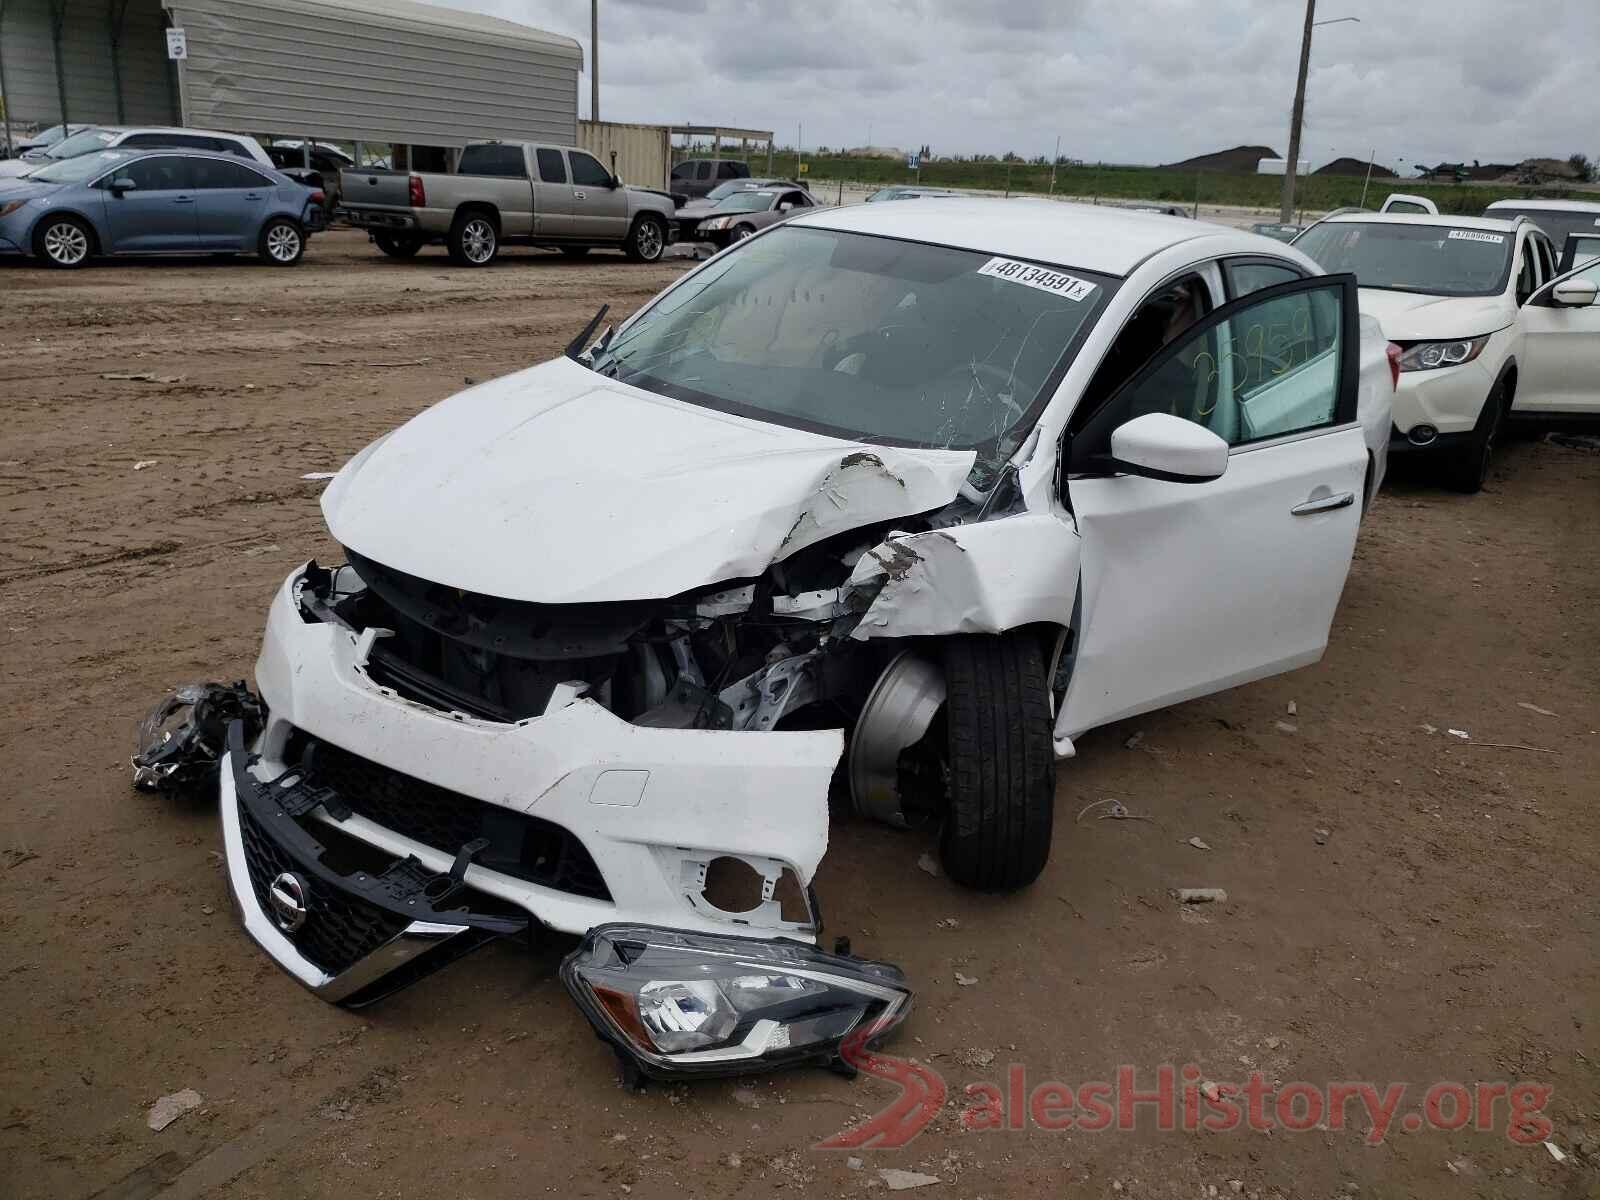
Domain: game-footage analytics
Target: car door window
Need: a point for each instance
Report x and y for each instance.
(728, 170)
(163, 174)
(1527, 272)
(587, 171)
(1245, 277)
(1164, 314)
(1580, 251)
(1275, 363)
(552, 166)
(684, 170)
(702, 170)
(212, 173)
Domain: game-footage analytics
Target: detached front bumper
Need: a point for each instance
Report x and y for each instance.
(351, 936)
(652, 809)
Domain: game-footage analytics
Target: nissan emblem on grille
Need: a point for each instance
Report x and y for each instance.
(288, 899)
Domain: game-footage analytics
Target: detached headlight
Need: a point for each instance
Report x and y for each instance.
(674, 1003)
(1429, 356)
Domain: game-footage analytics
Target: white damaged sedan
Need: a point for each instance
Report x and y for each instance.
(892, 500)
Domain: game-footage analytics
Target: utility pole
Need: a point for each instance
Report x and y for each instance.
(594, 61)
(1371, 158)
(1053, 161)
(1286, 209)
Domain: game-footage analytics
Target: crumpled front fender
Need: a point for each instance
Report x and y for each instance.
(982, 578)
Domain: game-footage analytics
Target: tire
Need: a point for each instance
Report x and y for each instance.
(647, 240)
(1469, 468)
(397, 245)
(575, 251)
(474, 241)
(64, 242)
(740, 232)
(282, 243)
(1001, 777)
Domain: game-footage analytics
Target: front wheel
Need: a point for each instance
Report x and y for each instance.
(282, 242)
(647, 240)
(63, 242)
(1468, 471)
(740, 232)
(474, 241)
(397, 245)
(1001, 765)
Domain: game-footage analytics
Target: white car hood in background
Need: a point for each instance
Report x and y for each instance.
(559, 486)
(1410, 317)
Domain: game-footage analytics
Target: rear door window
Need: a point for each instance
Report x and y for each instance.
(552, 166)
(217, 173)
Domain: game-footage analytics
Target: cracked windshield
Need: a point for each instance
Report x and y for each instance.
(864, 337)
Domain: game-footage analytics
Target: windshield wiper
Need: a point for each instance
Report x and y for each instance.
(575, 346)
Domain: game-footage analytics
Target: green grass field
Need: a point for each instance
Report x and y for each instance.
(1315, 193)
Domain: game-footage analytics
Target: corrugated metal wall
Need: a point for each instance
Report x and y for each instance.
(643, 151)
(27, 54)
(379, 72)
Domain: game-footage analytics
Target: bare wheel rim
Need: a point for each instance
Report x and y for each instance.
(283, 243)
(66, 243)
(477, 241)
(649, 239)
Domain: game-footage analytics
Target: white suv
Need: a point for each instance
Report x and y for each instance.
(1487, 331)
(144, 137)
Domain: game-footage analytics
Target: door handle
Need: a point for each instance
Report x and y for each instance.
(1324, 504)
(183, 199)
(252, 195)
(577, 195)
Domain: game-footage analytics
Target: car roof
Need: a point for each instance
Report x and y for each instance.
(1092, 238)
(1489, 224)
(138, 152)
(1583, 206)
(172, 129)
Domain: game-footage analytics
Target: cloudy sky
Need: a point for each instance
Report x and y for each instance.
(1140, 81)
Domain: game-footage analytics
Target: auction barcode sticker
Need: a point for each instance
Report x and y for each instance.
(1057, 283)
(1468, 235)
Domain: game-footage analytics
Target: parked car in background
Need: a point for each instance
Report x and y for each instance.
(1277, 232)
(1580, 250)
(902, 191)
(1166, 210)
(738, 216)
(34, 145)
(114, 137)
(691, 213)
(1400, 202)
(1561, 219)
(906, 498)
(695, 177)
(1487, 329)
(121, 202)
(558, 197)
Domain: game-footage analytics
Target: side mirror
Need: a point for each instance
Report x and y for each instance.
(122, 184)
(1162, 446)
(1574, 293)
(616, 182)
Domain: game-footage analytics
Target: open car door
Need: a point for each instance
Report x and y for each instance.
(1559, 371)
(1192, 587)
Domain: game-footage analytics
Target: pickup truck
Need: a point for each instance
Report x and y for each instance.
(558, 197)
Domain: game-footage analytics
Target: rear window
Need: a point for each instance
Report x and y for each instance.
(501, 160)
(1558, 224)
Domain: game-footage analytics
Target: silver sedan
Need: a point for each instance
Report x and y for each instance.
(738, 216)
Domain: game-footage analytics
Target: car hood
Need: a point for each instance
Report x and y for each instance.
(559, 486)
(23, 189)
(697, 208)
(1410, 317)
(13, 168)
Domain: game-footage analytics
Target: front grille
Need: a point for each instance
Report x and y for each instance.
(521, 846)
(340, 930)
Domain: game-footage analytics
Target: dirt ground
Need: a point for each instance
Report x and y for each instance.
(1444, 927)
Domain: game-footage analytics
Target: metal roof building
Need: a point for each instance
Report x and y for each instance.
(353, 70)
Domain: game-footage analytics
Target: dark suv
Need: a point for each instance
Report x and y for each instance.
(697, 176)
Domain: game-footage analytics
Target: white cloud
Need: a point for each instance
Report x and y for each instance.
(1131, 81)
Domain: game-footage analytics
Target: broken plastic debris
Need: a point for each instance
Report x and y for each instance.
(927, 864)
(897, 1180)
(1428, 728)
(965, 980)
(1200, 895)
(1459, 733)
(1543, 712)
(319, 475)
(1198, 844)
(1288, 727)
(1556, 1152)
(142, 377)
(143, 463)
(169, 1108)
(1134, 741)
